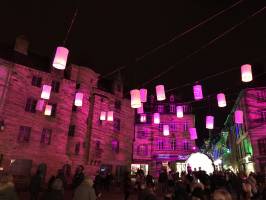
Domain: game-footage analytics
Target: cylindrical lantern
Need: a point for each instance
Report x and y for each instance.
(143, 95)
(40, 105)
(166, 130)
(246, 73)
(110, 116)
(60, 58)
(197, 90)
(209, 122)
(239, 117)
(221, 100)
(103, 116)
(48, 110)
(160, 93)
(78, 99)
(156, 118)
(135, 98)
(46, 91)
(193, 133)
(143, 118)
(179, 111)
(140, 110)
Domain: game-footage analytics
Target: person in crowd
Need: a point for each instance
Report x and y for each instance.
(50, 182)
(151, 195)
(61, 176)
(7, 188)
(85, 190)
(197, 194)
(56, 192)
(78, 177)
(35, 186)
(246, 188)
(108, 181)
(221, 194)
(97, 183)
(163, 180)
(127, 185)
(149, 179)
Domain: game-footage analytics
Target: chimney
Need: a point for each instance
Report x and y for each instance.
(21, 45)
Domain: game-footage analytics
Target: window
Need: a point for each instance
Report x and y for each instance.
(172, 108)
(55, 86)
(160, 144)
(263, 116)
(36, 81)
(142, 150)
(117, 124)
(185, 126)
(173, 126)
(118, 104)
(77, 86)
(31, 105)
(74, 108)
(53, 112)
(77, 148)
(71, 130)
(186, 146)
(262, 146)
(160, 108)
(141, 134)
(97, 145)
(173, 143)
(46, 136)
(24, 134)
(115, 146)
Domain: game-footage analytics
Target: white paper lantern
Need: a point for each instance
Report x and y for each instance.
(48, 110)
(209, 122)
(197, 90)
(78, 99)
(110, 116)
(140, 110)
(160, 93)
(103, 116)
(143, 118)
(60, 58)
(143, 95)
(246, 73)
(156, 118)
(46, 91)
(179, 111)
(166, 131)
(221, 100)
(135, 98)
(239, 117)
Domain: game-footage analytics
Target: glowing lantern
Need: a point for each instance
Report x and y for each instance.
(166, 130)
(110, 116)
(199, 160)
(143, 95)
(246, 73)
(103, 116)
(46, 91)
(197, 90)
(135, 98)
(156, 118)
(160, 93)
(48, 110)
(60, 58)
(78, 99)
(143, 118)
(140, 110)
(194, 148)
(209, 122)
(221, 100)
(40, 105)
(193, 133)
(179, 111)
(239, 117)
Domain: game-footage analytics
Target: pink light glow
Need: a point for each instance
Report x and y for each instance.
(143, 118)
(48, 110)
(160, 93)
(179, 111)
(166, 130)
(46, 91)
(239, 117)
(246, 73)
(197, 90)
(156, 118)
(110, 116)
(40, 105)
(103, 116)
(143, 95)
(60, 58)
(78, 99)
(140, 110)
(221, 100)
(135, 98)
(209, 122)
(193, 133)
(194, 148)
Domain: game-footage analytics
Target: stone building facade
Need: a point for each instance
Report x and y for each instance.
(71, 135)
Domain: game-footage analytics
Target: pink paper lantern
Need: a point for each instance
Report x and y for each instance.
(60, 58)
(40, 105)
(193, 133)
(140, 110)
(179, 111)
(135, 98)
(78, 99)
(209, 122)
(143, 118)
(156, 118)
(110, 116)
(166, 130)
(221, 100)
(103, 116)
(160, 93)
(46, 91)
(246, 73)
(197, 90)
(143, 95)
(48, 110)
(239, 117)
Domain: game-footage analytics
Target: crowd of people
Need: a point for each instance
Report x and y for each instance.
(191, 185)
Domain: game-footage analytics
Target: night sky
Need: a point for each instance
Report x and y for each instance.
(110, 34)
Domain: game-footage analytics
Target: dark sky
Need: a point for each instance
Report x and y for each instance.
(109, 34)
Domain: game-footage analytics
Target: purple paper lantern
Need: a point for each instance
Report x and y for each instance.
(160, 93)
(78, 99)
(246, 73)
(143, 95)
(197, 90)
(209, 122)
(166, 131)
(221, 100)
(46, 91)
(193, 133)
(179, 111)
(156, 118)
(135, 98)
(40, 105)
(239, 117)
(60, 58)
